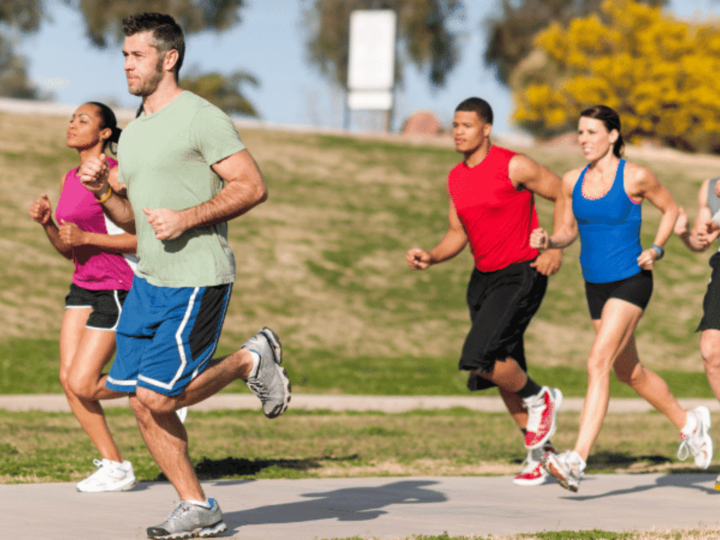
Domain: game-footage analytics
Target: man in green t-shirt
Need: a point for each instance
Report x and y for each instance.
(187, 173)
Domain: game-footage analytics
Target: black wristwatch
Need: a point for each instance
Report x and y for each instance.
(659, 250)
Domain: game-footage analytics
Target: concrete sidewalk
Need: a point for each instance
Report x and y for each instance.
(388, 404)
(384, 508)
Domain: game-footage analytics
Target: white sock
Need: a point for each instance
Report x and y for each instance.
(690, 424)
(256, 363)
(203, 504)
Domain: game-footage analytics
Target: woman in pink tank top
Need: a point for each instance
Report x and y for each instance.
(101, 280)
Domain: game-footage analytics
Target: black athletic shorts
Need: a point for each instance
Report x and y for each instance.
(106, 305)
(636, 289)
(711, 302)
(501, 304)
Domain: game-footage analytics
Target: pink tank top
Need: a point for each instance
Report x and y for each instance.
(94, 269)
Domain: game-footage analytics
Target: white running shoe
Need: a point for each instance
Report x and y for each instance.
(568, 468)
(182, 413)
(534, 474)
(697, 441)
(110, 476)
(542, 411)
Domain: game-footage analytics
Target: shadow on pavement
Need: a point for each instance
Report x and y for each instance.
(347, 504)
(692, 481)
(213, 469)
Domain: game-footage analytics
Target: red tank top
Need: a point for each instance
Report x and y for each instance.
(497, 218)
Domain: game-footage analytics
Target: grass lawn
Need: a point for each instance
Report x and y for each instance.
(51, 447)
(322, 262)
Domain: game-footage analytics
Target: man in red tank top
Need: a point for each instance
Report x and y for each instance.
(492, 208)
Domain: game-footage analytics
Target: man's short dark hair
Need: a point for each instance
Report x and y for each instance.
(479, 106)
(166, 34)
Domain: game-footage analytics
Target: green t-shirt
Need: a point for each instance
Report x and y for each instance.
(165, 161)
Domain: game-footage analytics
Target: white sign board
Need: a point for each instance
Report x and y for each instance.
(371, 63)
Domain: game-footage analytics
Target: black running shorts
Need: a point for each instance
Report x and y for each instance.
(106, 305)
(636, 289)
(501, 304)
(711, 302)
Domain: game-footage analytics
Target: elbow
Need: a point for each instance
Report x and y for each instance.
(261, 193)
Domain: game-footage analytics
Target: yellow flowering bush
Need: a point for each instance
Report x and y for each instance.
(658, 72)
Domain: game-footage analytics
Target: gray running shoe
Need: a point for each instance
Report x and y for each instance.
(189, 520)
(568, 468)
(271, 383)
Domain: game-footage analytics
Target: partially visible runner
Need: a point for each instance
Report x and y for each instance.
(187, 173)
(100, 282)
(492, 207)
(704, 232)
(606, 198)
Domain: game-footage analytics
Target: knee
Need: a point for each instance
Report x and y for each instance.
(154, 402)
(64, 377)
(710, 351)
(81, 389)
(597, 368)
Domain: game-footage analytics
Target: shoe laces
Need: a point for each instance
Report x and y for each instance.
(535, 406)
(688, 445)
(258, 388)
(181, 508)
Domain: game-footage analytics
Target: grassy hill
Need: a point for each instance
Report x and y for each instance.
(322, 262)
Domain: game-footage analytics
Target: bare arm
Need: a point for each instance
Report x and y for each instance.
(244, 189)
(697, 239)
(41, 212)
(643, 184)
(452, 243)
(73, 236)
(538, 179)
(98, 178)
(526, 173)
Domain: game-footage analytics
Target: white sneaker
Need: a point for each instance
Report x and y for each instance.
(182, 413)
(110, 476)
(568, 468)
(534, 474)
(697, 441)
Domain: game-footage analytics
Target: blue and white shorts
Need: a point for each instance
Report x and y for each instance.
(167, 336)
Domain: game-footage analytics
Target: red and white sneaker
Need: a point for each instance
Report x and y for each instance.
(542, 416)
(534, 474)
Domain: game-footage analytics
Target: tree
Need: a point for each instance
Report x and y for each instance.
(103, 25)
(103, 19)
(657, 72)
(511, 34)
(16, 16)
(224, 92)
(423, 32)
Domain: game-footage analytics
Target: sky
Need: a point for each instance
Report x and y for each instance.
(270, 44)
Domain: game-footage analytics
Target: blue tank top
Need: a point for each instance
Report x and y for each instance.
(609, 231)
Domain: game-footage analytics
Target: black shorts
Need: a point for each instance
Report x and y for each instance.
(636, 289)
(711, 302)
(501, 304)
(106, 306)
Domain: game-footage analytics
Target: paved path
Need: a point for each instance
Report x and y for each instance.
(383, 508)
(388, 404)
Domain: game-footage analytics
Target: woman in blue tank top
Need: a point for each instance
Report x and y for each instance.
(606, 198)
